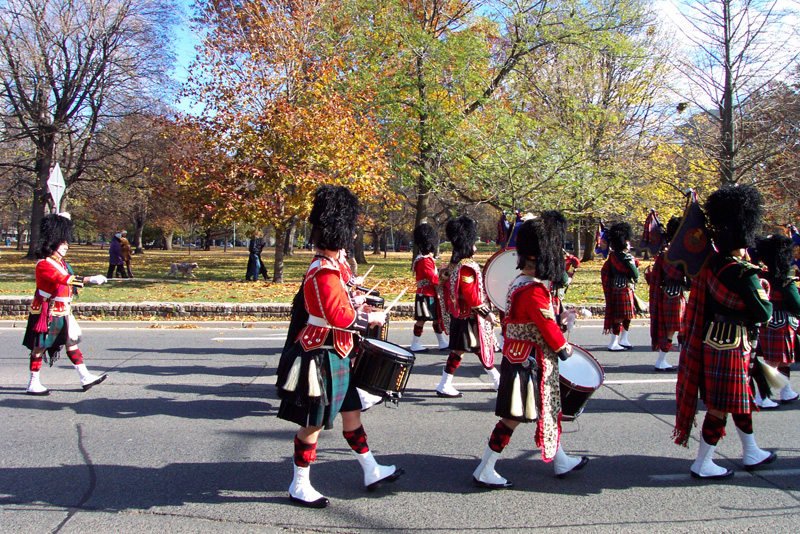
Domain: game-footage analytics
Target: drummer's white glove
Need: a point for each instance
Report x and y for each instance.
(97, 279)
(358, 300)
(357, 281)
(376, 317)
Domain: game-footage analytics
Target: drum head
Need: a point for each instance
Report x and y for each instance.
(388, 348)
(581, 369)
(500, 270)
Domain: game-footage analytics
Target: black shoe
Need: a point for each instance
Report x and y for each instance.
(38, 393)
(391, 478)
(626, 347)
(670, 369)
(423, 349)
(446, 396)
(487, 485)
(322, 502)
(89, 386)
(768, 460)
(581, 465)
(726, 474)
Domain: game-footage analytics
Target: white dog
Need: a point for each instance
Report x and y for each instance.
(183, 268)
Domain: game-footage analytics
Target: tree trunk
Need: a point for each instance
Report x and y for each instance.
(288, 246)
(137, 233)
(359, 247)
(168, 240)
(277, 267)
(44, 158)
(376, 242)
(588, 237)
(576, 239)
(728, 146)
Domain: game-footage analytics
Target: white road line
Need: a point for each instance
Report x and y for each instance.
(268, 338)
(766, 472)
(648, 381)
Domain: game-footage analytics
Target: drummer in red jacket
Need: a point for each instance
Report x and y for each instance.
(314, 372)
(426, 303)
(469, 321)
(529, 376)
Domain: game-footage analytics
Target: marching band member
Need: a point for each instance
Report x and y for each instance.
(50, 321)
(314, 373)
(777, 338)
(426, 302)
(727, 300)
(471, 322)
(529, 377)
(667, 303)
(619, 275)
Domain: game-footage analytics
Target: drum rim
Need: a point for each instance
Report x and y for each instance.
(492, 258)
(579, 387)
(371, 341)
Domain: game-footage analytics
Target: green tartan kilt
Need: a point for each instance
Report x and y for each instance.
(52, 340)
(340, 392)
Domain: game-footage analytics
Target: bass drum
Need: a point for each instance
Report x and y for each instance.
(580, 376)
(382, 368)
(498, 273)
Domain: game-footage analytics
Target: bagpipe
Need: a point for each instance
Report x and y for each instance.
(653, 235)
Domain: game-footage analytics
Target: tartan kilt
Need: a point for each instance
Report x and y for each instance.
(673, 310)
(725, 380)
(426, 308)
(464, 335)
(505, 393)
(52, 340)
(619, 305)
(297, 408)
(776, 340)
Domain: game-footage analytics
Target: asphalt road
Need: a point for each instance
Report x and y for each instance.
(183, 437)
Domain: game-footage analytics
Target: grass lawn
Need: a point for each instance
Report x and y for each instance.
(220, 276)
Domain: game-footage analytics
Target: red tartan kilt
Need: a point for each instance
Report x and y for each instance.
(725, 377)
(673, 310)
(777, 345)
(621, 305)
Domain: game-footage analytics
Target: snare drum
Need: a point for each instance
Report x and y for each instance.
(580, 376)
(382, 368)
(377, 331)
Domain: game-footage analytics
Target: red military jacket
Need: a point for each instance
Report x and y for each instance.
(529, 307)
(466, 291)
(329, 308)
(427, 275)
(54, 284)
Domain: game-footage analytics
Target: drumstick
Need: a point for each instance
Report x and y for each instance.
(374, 287)
(366, 274)
(389, 308)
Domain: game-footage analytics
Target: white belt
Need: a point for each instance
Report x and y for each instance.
(47, 295)
(318, 321)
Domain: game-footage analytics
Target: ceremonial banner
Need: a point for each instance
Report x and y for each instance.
(653, 234)
(601, 240)
(691, 247)
(56, 186)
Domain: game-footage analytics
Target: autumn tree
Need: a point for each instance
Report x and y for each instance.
(278, 125)
(67, 66)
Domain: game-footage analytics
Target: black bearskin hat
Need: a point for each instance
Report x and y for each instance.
(734, 216)
(776, 253)
(543, 238)
(54, 230)
(426, 238)
(334, 216)
(672, 227)
(462, 233)
(618, 236)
